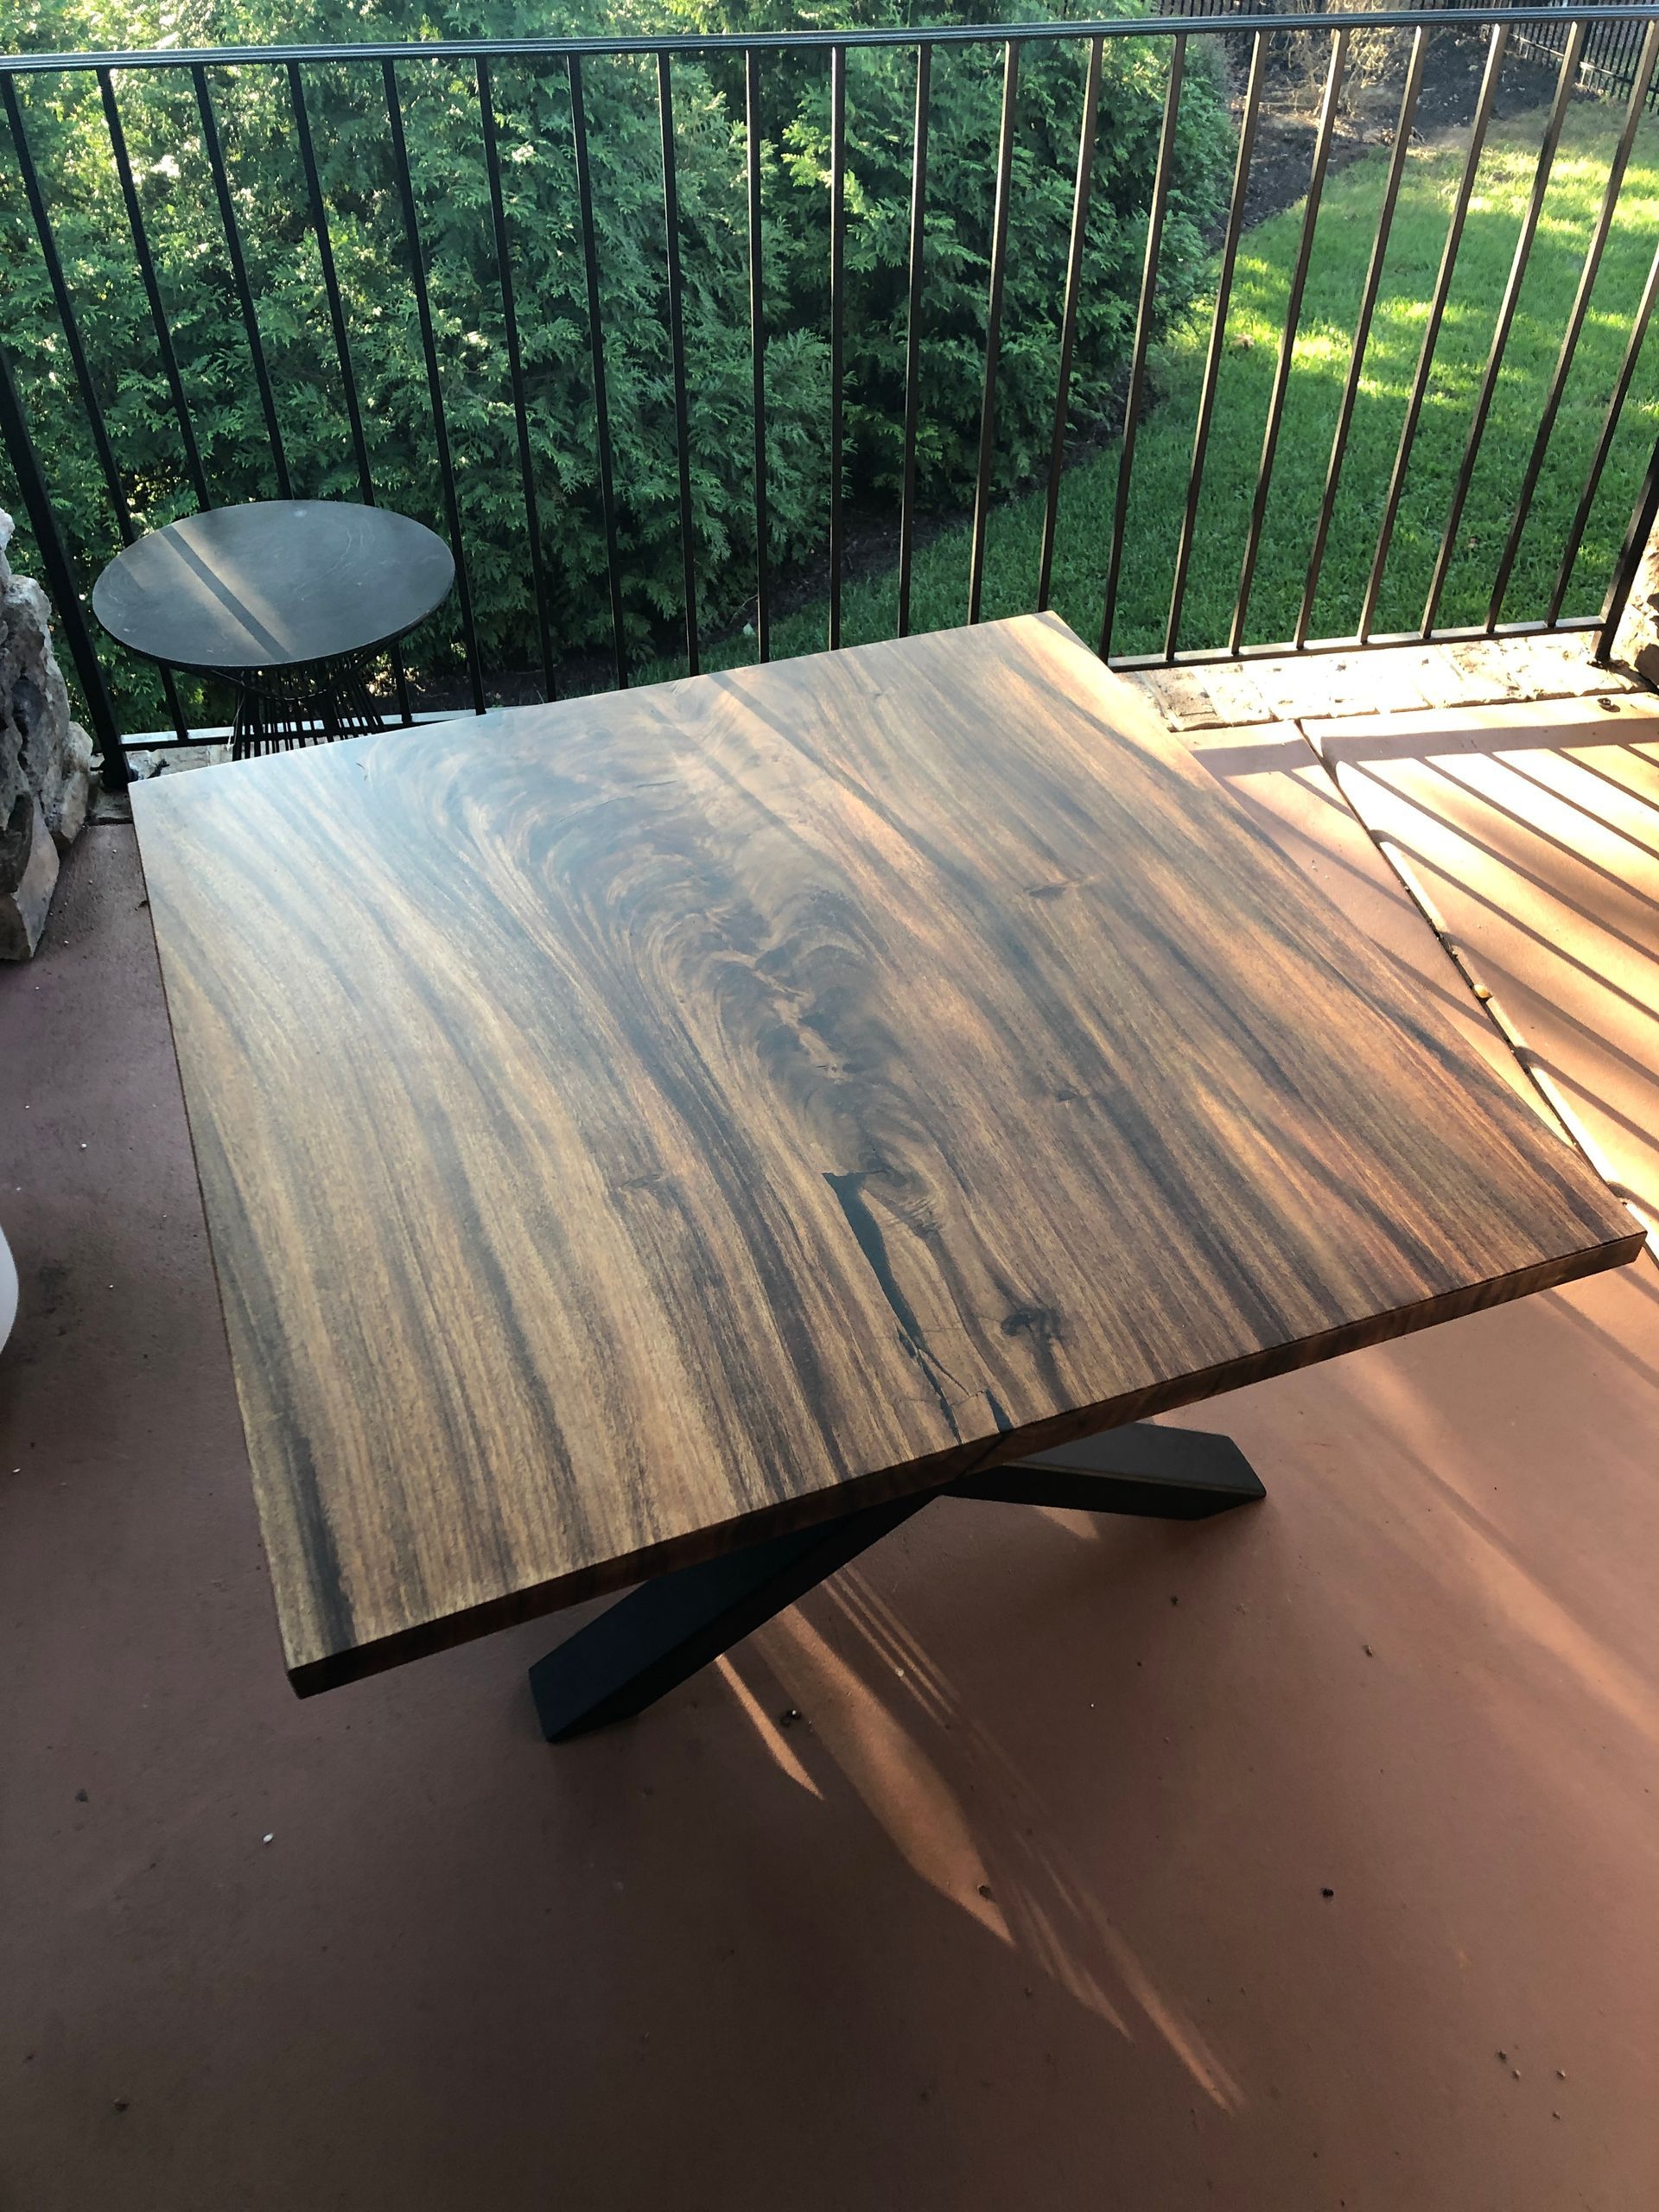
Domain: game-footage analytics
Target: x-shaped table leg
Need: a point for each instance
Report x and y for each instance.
(666, 1631)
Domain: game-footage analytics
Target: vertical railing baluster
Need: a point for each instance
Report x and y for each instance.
(232, 229)
(516, 373)
(1633, 114)
(337, 323)
(838, 318)
(79, 362)
(1629, 38)
(1408, 99)
(1637, 540)
(597, 350)
(1496, 46)
(62, 585)
(1565, 83)
(757, 356)
(913, 335)
(152, 289)
(330, 281)
(434, 387)
(993, 328)
(676, 344)
(67, 315)
(1080, 193)
(1217, 339)
(1605, 443)
(1143, 322)
(1287, 338)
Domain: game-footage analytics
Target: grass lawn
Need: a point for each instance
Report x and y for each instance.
(1346, 227)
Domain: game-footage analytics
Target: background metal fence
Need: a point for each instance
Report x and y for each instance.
(1614, 46)
(1611, 58)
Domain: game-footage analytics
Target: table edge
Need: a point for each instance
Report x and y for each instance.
(512, 1608)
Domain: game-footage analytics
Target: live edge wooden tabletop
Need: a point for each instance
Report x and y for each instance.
(632, 1127)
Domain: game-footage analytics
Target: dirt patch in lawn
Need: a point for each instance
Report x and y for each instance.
(1369, 107)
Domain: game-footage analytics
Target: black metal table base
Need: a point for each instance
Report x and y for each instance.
(310, 705)
(667, 1630)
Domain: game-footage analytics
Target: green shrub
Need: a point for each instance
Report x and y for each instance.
(966, 108)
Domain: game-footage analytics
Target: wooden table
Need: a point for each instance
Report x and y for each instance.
(676, 1134)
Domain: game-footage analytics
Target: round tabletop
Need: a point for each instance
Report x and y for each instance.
(274, 584)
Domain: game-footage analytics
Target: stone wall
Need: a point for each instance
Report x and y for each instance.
(45, 760)
(1636, 642)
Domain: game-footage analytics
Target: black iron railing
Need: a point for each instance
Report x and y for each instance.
(1571, 38)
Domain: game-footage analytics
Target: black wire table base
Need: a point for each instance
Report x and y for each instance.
(310, 705)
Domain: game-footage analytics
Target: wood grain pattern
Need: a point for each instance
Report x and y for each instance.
(649, 1122)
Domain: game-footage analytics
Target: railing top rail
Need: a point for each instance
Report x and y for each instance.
(452, 50)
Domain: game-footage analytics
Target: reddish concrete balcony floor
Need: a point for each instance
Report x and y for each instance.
(1305, 1858)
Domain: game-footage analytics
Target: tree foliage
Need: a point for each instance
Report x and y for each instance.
(439, 99)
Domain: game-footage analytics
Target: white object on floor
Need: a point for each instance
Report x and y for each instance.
(7, 1289)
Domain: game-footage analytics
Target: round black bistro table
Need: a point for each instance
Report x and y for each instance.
(287, 600)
